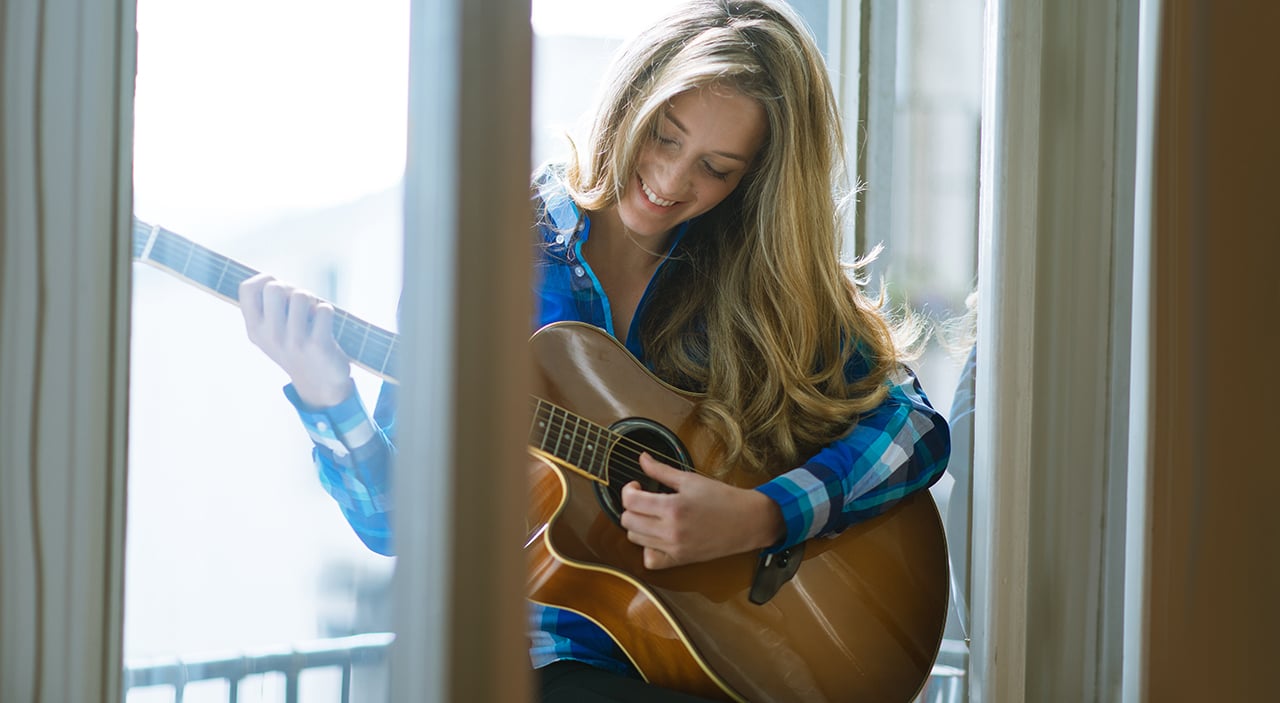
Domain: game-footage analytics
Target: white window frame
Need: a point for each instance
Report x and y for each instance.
(1055, 299)
(862, 55)
(459, 580)
(1055, 262)
(66, 114)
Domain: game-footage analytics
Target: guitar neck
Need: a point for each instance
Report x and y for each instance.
(574, 441)
(368, 346)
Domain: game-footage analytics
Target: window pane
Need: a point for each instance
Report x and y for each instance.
(270, 132)
(931, 253)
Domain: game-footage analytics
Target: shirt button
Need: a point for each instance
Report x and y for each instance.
(322, 426)
(559, 239)
(578, 271)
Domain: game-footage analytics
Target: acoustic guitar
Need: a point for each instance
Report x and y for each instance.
(854, 617)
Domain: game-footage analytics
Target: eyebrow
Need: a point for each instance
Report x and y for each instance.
(726, 154)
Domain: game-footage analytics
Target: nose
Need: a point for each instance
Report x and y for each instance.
(674, 179)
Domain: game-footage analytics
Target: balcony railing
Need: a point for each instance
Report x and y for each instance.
(945, 685)
(342, 653)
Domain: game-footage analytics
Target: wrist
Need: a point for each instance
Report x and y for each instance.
(317, 397)
(773, 528)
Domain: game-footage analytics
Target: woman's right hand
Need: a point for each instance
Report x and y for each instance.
(295, 329)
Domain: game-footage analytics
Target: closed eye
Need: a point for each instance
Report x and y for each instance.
(721, 175)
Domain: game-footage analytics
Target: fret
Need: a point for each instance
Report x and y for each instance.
(344, 336)
(593, 446)
(585, 434)
(534, 421)
(340, 333)
(561, 450)
(375, 349)
(546, 429)
(573, 437)
(201, 268)
(152, 234)
(386, 360)
(191, 249)
(226, 263)
(363, 341)
(559, 437)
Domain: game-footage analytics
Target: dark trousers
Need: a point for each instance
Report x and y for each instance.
(574, 682)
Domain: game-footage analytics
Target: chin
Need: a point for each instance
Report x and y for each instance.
(646, 227)
(642, 218)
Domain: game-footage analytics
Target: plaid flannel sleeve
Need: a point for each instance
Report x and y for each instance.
(353, 453)
(899, 448)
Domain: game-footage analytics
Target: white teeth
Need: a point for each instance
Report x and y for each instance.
(654, 198)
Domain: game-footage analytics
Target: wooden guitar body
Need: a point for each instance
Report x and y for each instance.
(860, 620)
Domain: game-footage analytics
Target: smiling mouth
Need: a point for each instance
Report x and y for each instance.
(653, 197)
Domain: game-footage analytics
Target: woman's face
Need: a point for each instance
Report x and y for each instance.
(705, 143)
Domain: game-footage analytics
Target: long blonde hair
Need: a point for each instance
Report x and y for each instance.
(760, 314)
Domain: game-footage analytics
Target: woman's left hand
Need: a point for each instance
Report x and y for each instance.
(702, 519)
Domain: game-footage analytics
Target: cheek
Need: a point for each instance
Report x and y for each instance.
(647, 157)
(717, 191)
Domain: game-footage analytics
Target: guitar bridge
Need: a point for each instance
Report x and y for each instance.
(772, 571)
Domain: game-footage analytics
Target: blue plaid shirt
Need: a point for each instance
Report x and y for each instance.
(899, 448)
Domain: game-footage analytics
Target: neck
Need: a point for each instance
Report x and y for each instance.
(611, 239)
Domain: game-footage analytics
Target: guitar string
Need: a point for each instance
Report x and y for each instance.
(207, 263)
(622, 466)
(604, 431)
(629, 468)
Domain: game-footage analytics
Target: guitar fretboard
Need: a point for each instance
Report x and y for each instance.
(578, 442)
(368, 346)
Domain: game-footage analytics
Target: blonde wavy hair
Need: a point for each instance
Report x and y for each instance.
(760, 313)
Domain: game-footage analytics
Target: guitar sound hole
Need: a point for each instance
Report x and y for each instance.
(623, 460)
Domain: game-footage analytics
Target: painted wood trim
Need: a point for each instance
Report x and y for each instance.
(1136, 567)
(871, 140)
(66, 86)
(1008, 204)
(459, 582)
(1053, 352)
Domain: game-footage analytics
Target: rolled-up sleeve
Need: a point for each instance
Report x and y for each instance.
(895, 450)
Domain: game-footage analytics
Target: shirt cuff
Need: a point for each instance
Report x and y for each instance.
(805, 496)
(342, 428)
